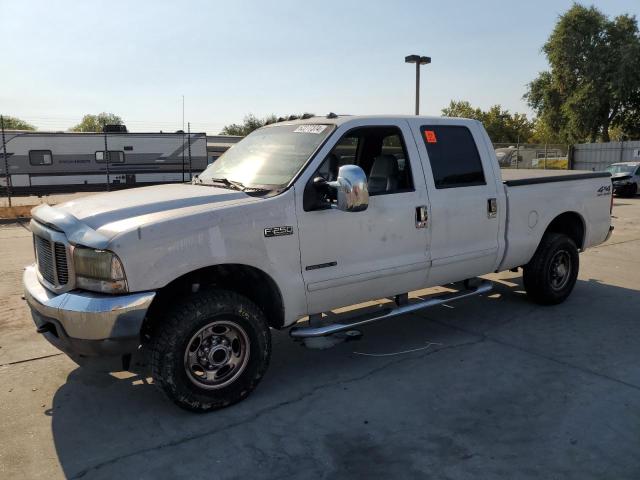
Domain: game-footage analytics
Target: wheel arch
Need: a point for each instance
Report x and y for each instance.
(246, 280)
(571, 224)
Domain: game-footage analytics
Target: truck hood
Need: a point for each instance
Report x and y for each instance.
(97, 218)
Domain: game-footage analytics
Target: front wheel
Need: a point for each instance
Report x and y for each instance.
(210, 350)
(551, 274)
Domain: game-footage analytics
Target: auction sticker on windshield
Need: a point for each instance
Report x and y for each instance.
(310, 129)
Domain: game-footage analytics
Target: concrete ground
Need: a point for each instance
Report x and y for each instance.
(491, 387)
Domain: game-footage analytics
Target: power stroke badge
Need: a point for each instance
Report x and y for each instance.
(278, 231)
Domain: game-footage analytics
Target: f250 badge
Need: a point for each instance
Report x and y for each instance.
(604, 190)
(278, 231)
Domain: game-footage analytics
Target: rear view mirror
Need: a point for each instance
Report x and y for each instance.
(352, 190)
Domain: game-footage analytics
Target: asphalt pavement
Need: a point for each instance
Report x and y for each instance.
(488, 387)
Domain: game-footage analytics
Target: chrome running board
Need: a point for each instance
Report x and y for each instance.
(485, 286)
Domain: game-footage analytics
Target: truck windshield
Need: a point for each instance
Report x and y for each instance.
(270, 156)
(620, 168)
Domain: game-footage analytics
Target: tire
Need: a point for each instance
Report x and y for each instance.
(551, 274)
(210, 350)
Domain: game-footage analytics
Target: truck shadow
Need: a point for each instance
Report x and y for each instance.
(103, 420)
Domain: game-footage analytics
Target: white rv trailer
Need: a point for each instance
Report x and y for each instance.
(41, 162)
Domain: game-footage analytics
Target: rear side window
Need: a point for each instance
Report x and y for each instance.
(453, 155)
(115, 156)
(40, 157)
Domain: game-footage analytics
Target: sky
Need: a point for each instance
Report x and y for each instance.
(62, 59)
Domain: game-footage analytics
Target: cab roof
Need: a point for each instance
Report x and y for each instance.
(338, 120)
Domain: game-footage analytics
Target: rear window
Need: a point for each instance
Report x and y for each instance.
(40, 157)
(453, 155)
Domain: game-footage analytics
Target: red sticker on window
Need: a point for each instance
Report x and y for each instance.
(430, 135)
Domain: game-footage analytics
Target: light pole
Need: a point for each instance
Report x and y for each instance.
(418, 60)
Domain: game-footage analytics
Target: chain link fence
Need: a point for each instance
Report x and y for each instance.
(532, 155)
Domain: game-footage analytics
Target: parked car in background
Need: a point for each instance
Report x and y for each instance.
(625, 177)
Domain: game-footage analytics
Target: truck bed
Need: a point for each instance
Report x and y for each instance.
(518, 177)
(544, 196)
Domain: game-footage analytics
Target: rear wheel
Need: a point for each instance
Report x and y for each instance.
(210, 350)
(551, 274)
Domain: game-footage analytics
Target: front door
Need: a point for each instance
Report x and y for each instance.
(349, 257)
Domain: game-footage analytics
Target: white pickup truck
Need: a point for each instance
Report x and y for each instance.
(297, 219)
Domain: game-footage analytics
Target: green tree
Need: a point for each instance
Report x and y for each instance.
(248, 125)
(13, 123)
(594, 80)
(501, 125)
(96, 123)
(542, 133)
(463, 109)
(251, 123)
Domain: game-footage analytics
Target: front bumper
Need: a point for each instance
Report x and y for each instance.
(622, 188)
(86, 323)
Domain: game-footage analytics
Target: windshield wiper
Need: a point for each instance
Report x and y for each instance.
(229, 183)
(232, 184)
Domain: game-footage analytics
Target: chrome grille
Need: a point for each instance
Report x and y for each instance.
(62, 270)
(52, 261)
(44, 257)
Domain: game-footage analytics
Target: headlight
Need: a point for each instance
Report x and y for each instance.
(99, 270)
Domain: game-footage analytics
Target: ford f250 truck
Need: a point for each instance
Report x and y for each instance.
(297, 219)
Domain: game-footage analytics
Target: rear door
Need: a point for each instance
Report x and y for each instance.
(464, 223)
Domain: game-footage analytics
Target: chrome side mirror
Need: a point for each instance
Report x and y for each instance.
(352, 189)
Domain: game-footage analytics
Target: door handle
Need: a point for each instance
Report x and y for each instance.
(492, 208)
(422, 216)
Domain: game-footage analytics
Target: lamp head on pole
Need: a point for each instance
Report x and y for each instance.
(417, 59)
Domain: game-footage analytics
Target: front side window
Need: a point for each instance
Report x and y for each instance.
(40, 157)
(453, 155)
(269, 156)
(379, 151)
(115, 156)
